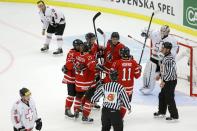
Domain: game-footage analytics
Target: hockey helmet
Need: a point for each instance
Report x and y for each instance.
(165, 30)
(113, 74)
(115, 35)
(167, 45)
(84, 46)
(24, 92)
(89, 36)
(125, 52)
(77, 42)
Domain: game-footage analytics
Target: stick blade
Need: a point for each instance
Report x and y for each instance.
(100, 31)
(96, 15)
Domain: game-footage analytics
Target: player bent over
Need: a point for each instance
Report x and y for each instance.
(54, 22)
(24, 113)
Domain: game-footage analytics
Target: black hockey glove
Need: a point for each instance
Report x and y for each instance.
(109, 57)
(140, 68)
(99, 67)
(38, 124)
(143, 34)
(64, 69)
(22, 129)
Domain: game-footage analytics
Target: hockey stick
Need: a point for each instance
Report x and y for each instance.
(94, 19)
(103, 34)
(146, 37)
(137, 41)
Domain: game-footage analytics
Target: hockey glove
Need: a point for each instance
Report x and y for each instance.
(99, 67)
(140, 68)
(43, 32)
(143, 34)
(22, 129)
(64, 69)
(129, 111)
(38, 124)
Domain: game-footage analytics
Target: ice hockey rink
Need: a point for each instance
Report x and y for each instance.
(22, 64)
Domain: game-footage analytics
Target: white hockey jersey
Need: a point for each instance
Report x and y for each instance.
(24, 115)
(51, 16)
(157, 42)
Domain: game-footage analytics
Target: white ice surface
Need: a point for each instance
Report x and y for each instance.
(22, 64)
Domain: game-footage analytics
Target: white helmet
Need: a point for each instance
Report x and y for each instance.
(165, 30)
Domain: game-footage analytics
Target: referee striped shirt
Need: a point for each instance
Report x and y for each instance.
(168, 69)
(114, 96)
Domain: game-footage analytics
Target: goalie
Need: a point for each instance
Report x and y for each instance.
(152, 67)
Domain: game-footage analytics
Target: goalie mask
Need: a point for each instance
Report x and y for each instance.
(125, 52)
(165, 30)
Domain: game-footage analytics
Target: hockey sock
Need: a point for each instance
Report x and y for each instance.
(123, 111)
(69, 102)
(87, 109)
(48, 38)
(77, 104)
(59, 41)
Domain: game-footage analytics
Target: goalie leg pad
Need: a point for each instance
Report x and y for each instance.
(149, 78)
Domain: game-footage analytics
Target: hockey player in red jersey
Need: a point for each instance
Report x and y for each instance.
(127, 69)
(84, 82)
(69, 76)
(112, 52)
(94, 48)
(97, 51)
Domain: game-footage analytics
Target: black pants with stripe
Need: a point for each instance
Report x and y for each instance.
(110, 118)
(166, 99)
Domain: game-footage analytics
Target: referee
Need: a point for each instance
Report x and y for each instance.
(168, 84)
(114, 96)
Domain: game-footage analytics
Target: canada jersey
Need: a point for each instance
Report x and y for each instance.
(69, 76)
(127, 71)
(157, 42)
(114, 51)
(85, 77)
(23, 115)
(52, 17)
(94, 50)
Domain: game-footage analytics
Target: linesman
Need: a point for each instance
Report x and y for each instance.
(168, 84)
(114, 96)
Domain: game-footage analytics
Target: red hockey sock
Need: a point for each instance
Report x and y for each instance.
(87, 109)
(77, 104)
(123, 111)
(69, 102)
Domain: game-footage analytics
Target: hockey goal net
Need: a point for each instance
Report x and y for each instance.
(187, 66)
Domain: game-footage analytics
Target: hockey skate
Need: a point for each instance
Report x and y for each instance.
(58, 51)
(172, 119)
(45, 48)
(158, 115)
(69, 114)
(87, 119)
(76, 114)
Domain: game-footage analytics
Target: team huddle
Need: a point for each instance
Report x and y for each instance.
(92, 71)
